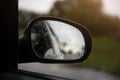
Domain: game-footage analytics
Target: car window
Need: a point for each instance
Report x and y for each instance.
(101, 17)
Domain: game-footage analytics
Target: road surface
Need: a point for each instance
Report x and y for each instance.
(68, 71)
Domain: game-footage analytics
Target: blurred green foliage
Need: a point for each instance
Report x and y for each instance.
(105, 55)
(105, 30)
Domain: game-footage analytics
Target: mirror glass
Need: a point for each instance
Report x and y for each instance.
(52, 39)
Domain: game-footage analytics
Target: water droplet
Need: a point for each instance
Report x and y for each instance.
(36, 43)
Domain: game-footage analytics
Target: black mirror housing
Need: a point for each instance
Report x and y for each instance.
(56, 40)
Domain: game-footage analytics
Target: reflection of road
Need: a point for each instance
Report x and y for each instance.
(68, 71)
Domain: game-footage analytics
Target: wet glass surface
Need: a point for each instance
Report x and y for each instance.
(57, 40)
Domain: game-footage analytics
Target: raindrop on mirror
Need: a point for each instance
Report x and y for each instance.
(57, 40)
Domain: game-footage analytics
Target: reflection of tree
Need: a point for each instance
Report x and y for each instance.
(42, 40)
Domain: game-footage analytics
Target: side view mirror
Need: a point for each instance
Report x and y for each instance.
(56, 40)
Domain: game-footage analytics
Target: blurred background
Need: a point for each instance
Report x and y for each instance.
(101, 17)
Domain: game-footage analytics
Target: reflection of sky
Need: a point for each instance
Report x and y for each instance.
(68, 34)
